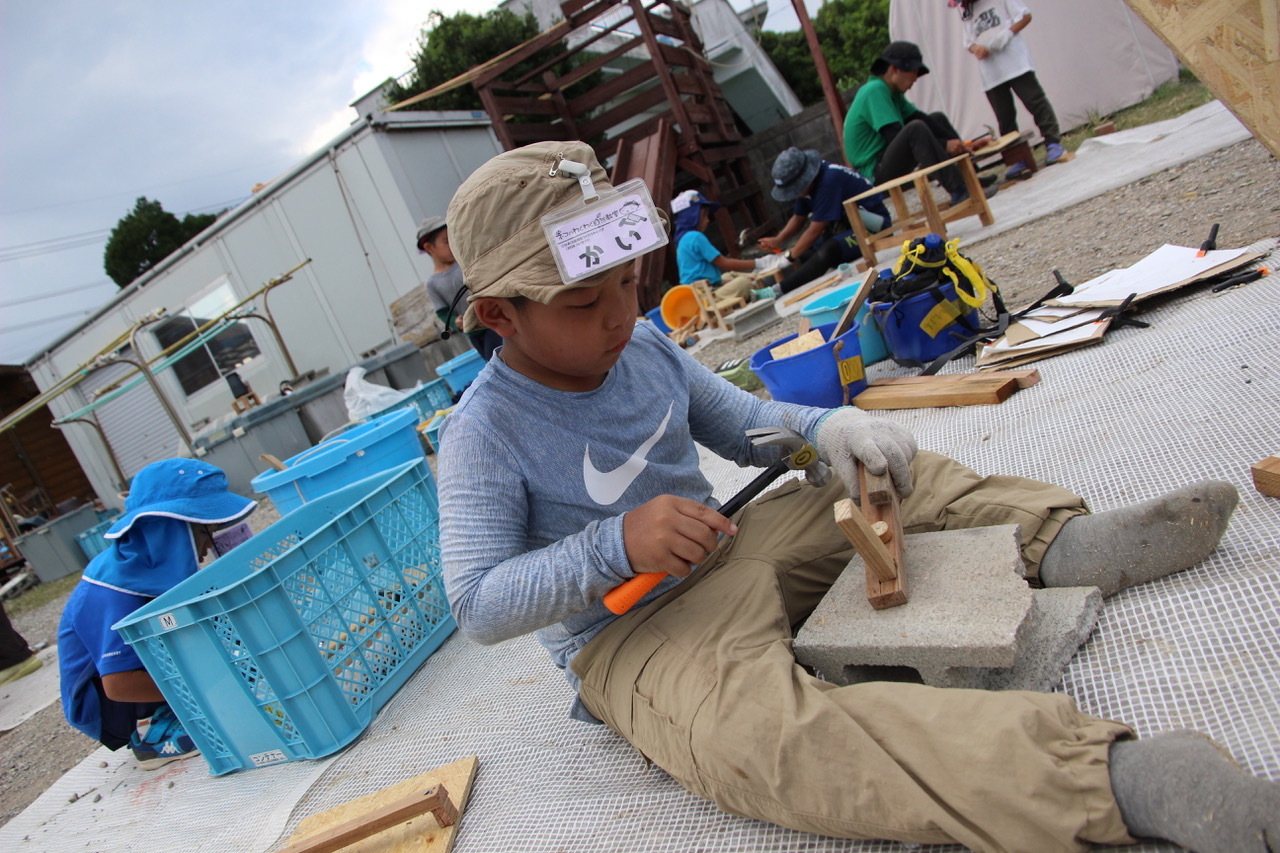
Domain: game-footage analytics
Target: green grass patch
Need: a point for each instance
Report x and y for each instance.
(42, 594)
(1172, 99)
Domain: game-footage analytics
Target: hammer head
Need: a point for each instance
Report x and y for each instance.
(800, 454)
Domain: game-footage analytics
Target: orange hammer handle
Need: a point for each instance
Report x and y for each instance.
(624, 596)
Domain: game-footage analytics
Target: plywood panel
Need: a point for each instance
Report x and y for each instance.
(1233, 46)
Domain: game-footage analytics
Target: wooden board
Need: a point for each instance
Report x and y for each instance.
(803, 343)
(978, 391)
(1024, 378)
(810, 289)
(421, 834)
(1266, 476)
(1233, 47)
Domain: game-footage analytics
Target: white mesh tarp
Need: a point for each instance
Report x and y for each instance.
(1196, 395)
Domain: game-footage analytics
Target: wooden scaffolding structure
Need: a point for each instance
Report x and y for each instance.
(663, 119)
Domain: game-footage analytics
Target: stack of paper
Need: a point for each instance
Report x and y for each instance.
(1077, 320)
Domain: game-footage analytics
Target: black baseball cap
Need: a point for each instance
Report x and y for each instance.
(904, 55)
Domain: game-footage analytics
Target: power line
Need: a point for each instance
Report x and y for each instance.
(90, 285)
(44, 320)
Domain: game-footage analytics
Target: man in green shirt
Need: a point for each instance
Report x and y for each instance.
(887, 136)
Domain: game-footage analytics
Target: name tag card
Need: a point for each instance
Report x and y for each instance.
(618, 227)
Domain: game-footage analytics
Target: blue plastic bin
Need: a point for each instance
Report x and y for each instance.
(813, 377)
(655, 314)
(287, 646)
(91, 541)
(919, 328)
(460, 370)
(358, 453)
(829, 308)
(426, 401)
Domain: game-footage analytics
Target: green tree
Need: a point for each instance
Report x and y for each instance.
(145, 236)
(852, 34)
(451, 45)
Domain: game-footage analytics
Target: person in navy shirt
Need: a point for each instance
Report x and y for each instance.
(818, 189)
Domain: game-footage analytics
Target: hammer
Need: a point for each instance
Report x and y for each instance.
(800, 456)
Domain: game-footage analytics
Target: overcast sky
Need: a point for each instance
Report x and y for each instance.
(188, 104)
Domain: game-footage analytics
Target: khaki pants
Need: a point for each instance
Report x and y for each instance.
(735, 285)
(703, 682)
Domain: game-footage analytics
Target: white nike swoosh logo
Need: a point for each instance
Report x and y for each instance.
(606, 487)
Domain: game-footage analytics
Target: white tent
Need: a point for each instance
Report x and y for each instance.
(1092, 57)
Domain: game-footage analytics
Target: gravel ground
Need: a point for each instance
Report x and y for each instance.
(1238, 187)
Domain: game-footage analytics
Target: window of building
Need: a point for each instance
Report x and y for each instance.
(216, 357)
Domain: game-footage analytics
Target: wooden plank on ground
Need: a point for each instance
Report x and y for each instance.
(810, 289)
(979, 391)
(1024, 378)
(422, 834)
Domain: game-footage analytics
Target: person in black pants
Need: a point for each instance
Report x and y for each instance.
(16, 657)
(887, 136)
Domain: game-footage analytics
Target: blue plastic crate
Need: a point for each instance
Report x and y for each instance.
(461, 370)
(426, 401)
(287, 646)
(91, 541)
(346, 458)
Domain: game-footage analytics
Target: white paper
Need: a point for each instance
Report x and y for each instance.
(1164, 267)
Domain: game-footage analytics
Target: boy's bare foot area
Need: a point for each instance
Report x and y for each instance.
(1131, 545)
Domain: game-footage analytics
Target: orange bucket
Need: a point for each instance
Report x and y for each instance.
(679, 306)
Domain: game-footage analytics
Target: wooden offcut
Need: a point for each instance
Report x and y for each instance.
(1266, 476)
(875, 530)
(978, 391)
(816, 286)
(424, 833)
(1024, 378)
(801, 343)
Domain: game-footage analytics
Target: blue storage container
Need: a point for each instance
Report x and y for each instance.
(829, 308)
(426, 401)
(920, 328)
(816, 377)
(339, 461)
(460, 370)
(655, 314)
(91, 541)
(287, 646)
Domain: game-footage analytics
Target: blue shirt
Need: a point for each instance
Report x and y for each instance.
(534, 483)
(695, 257)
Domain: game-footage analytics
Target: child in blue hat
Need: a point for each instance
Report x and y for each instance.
(698, 260)
(173, 507)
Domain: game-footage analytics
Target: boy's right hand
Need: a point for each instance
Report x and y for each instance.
(672, 534)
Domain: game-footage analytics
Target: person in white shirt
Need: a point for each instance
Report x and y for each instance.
(991, 29)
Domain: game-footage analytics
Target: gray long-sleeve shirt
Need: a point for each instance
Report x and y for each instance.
(534, 483)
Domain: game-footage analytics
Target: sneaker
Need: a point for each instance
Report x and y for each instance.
(1017, 171)
(19, 669)
(766, 293)
(164, 741)
(1053, 152)
(988, 180)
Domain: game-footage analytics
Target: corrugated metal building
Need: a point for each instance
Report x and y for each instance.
(351, 210)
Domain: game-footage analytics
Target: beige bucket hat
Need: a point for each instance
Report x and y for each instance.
(495, 227)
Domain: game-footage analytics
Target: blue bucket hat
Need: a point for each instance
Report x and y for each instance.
(687, 209)
(184, 489)
(793, 171)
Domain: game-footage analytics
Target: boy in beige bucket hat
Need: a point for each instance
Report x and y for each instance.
(570, 466)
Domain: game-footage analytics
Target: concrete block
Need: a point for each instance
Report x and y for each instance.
(1059, 623)
(751, 318)
(967, 601)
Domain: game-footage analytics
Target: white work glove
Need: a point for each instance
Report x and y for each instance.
(849, 435)
(996, 40)
(772, 262)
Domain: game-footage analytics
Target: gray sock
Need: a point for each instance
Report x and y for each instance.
(1124, 547)
(1182, 787)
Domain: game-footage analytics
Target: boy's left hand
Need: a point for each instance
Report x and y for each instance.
(672, 534)
(848, 436)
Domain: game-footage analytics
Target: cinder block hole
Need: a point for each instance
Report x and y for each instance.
(859, 674)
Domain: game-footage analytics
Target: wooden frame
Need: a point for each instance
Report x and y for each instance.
(928, 217)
